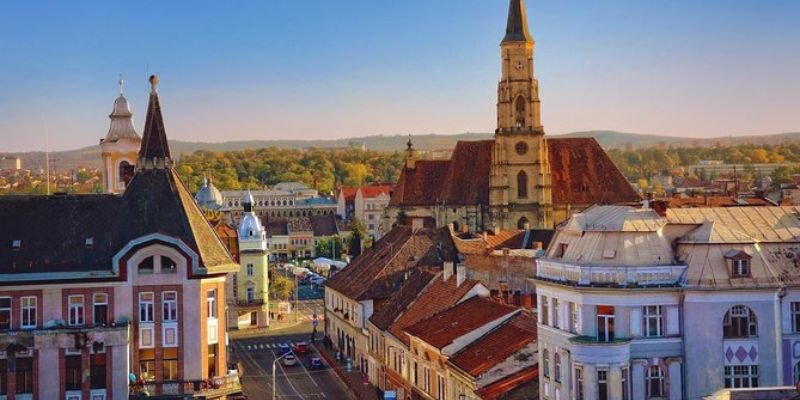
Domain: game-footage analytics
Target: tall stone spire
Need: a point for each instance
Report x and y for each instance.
(517, 25)
(154, 152)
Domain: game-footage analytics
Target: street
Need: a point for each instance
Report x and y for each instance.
(257, 349)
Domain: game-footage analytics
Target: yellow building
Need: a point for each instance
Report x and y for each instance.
(251, 283)
(120, 147)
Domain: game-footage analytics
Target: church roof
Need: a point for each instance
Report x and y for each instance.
(154, 142)
(581, 174)
(517, 26)
(121, 117)
(81, 234)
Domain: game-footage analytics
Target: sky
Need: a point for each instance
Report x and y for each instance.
(321, 69)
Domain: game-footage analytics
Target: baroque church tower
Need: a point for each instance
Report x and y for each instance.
(120, 147)
(519, 188)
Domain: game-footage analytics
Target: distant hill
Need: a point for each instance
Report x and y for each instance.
(90, 156)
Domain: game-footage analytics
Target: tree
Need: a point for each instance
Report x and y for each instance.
(330, 247)
(281, 287)
(357, 240)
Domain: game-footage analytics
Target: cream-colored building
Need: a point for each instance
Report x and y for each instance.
(251, 283)
(120, 147)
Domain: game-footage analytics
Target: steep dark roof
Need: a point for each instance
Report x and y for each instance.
(380, 270)
(275, 226)
(517, 25)
(581, 174)
(154, 139)
(324, 225)
(398, 302)
(53, 229)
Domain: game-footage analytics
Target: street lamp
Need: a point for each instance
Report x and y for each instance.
(273, 371)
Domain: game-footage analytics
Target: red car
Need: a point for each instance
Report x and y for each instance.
(301, 348)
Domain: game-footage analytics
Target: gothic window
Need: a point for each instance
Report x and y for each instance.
(522, 185)
(519, 108)
(739, 322)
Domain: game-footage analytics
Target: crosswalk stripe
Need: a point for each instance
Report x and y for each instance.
(248, 347)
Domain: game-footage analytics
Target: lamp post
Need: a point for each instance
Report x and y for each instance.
(273, 371)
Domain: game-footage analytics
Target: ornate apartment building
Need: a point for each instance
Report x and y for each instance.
(520, 178)
(105, 296)
(637, 305)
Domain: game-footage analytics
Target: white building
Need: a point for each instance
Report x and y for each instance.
(367, 204)
(634, 305)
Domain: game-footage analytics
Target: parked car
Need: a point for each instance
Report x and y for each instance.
(316, 363)
(289, 361)
(317, 280)
(283, 348)
(301, 348)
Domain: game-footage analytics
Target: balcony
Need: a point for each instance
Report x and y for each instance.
(250, 302)
(218, 386)
(589, 350)
(609, 276)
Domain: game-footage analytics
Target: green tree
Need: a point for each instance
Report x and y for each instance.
(357, 239)
(330, 247)
(281, 287)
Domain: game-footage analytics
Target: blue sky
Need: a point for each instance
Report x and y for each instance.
(320, 69)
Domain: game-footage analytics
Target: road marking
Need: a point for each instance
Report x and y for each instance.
(283, 371)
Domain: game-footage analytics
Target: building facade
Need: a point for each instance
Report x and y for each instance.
(284, 200)
(120, 147)
(131, 300)
(518, 179)
(367, 204)
(250, 289)
(635, 304)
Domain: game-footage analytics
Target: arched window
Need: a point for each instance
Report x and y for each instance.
(519, 111)
(522, 185)
(456, 226)
(146, 266)
(168, 266)
(654, 382)
(557, 367)
(739, 322)
(522, 223)
(546, 363)
(125, 172)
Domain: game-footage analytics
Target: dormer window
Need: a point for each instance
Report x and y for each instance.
(146, 266)
(16, 245)
(739, 263)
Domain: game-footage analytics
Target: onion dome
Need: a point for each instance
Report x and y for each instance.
(121, 119)
(209, 197)
(250, 228)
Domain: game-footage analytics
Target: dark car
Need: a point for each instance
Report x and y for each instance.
(283, 348)
(316, 363)
(301, 348)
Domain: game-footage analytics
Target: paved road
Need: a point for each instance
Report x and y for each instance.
(298, 382)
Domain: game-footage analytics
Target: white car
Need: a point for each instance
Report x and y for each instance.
(290, 360)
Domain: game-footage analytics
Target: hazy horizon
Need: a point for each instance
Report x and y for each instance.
(318, 70)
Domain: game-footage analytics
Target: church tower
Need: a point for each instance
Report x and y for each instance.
(519, 192)
(120, 147)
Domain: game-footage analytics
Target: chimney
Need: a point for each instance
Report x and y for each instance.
(448, 270)
(460, 275)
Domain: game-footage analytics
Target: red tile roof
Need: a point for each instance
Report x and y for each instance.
(375, 190)
(410, 290)
(498, 345)
(581, 174)
(349, 193)
(501, 389)
(441, 329)
(438, 296)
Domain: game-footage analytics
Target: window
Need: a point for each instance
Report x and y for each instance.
(416, 376)
(75, 310)
(578, 383)
(146, 266)
(739, 322)
(545, 363)
(100, 314)
(146, 304)
(653, 321)
(605, 323)
(251, 293)
(169, 367)
(28, 312)
(212, 360)
(522, 185)
(624, 381)
(440, 394)
(169, 302)
(24, 375)
(73, 372)
(147, 364)
(556, 314)
(557, 367)
(3, 377)
(602, 384)
(168, 266)
(5, 313)
(574, 318)
(796, 373)
(654, 381)
(249, 269)
(543, 312)
(741, 268)
(519, 106)
(741, 376)
(97, 371)
(796, 317)
(211, 303)
(427, 376)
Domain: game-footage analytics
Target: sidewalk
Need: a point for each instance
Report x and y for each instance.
(274, 326)
(353, 380)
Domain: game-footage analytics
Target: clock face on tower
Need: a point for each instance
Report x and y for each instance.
(521, 148)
